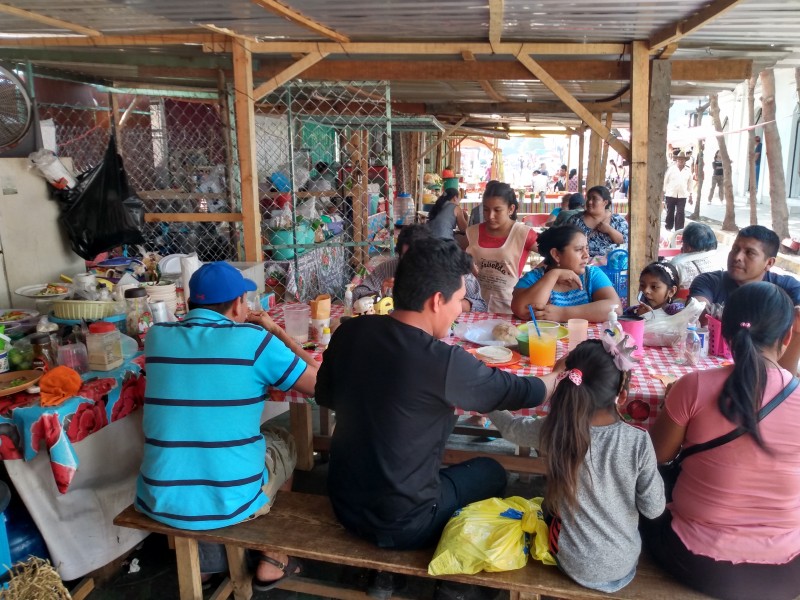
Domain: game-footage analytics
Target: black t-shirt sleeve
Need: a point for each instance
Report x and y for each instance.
(471, 385)
(791, 286)
(705, 285)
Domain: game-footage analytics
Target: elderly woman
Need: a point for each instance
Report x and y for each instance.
(732, 529)
(698, 253)
(602, 228)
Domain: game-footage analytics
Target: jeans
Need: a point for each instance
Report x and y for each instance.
(675, 216)
(716, 182)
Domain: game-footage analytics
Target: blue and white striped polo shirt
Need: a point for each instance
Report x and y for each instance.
(203, 464)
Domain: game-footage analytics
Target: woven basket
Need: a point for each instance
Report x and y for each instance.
(82, 309)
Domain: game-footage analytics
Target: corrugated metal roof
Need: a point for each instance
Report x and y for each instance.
(762, 30)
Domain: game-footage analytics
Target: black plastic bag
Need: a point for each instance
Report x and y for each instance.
(94, 214)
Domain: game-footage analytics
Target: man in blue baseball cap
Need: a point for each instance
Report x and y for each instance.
(207, 461)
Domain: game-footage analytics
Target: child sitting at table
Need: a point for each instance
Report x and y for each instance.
(658, 285)
(601, 471)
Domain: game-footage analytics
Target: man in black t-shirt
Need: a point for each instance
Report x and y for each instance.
(394, 386)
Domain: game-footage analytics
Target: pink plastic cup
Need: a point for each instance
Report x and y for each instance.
(634, 327)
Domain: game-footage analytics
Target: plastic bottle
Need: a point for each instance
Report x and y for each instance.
(326, 336)
(104, 346)
(612, 324)
(691, 348)
(348, 300)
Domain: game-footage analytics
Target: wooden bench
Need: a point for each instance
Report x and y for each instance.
(303, 525)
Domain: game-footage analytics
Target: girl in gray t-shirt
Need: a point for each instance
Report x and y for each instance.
(446, 215)
(601, 471)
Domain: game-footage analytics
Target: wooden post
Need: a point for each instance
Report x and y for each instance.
(649, 206)
(581, 157)
(594, 160)
(359, 157)
(604, 158)
(188, 558)
(644, 223)
(246, 142)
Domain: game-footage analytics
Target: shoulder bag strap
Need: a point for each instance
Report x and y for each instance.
(732, 435)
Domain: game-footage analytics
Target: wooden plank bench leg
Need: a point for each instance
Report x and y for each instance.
(188, 556)
(300, 419)
(240, 575)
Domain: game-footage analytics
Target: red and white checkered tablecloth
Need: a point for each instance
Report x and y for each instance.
(644, 385)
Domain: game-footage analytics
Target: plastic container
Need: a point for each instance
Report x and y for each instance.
(404, 209)
(74, 356)
(690, 347)
(138, 318)
(104, 347)
(44, 355)
(450, 183)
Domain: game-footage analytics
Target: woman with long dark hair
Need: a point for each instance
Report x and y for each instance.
(733, 527)
(446, 215)
(499, 246)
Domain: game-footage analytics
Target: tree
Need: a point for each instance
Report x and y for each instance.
(729, 222)
(700, 166)
(772, 144)
(751, 146)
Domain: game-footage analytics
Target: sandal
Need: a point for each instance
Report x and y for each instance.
(290, 569)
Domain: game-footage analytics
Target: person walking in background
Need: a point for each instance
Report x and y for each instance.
(677, 189)
(716, 178)
(757, 154)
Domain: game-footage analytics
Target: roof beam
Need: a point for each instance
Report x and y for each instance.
(542, 49)
(484, 83)
(288, 73)
(165, 39)
(505, 108)
(675, 31)
(39, 18)
(297, 18)
(490, 91)
(495, 22)
(226, 31)
(579, 109)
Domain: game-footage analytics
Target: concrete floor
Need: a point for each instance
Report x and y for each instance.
(157, 578)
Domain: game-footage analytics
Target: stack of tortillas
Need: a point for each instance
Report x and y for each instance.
(494, 354)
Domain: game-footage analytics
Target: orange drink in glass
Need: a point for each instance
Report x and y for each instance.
(542, 348)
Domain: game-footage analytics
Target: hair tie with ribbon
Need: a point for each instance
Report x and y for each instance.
(574, 375)
(745, 324)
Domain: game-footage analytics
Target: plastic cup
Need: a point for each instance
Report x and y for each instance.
(317, 325)
(542, 348)
(578, 332)
(296, 319)
(634, 327)
(159, 310)
(74, 356)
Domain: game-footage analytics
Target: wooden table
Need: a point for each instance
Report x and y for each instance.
(644, 388)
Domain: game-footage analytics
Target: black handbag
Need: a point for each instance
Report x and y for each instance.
(670, 471)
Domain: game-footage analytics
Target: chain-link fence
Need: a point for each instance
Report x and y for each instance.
(324, 156)
(175, 150)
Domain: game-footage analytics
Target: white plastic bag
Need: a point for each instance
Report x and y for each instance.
(665, 330)
(53, 170)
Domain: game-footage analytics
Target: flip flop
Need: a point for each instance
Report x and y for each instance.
(290, 569)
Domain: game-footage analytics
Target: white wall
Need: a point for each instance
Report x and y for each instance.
(734, 106)
(35, 247)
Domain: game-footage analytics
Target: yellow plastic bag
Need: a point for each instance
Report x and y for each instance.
(492, 535)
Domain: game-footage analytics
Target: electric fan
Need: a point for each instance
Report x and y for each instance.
(15, 109)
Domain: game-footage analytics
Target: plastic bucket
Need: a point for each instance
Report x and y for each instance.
(450, 183)
(282, 237)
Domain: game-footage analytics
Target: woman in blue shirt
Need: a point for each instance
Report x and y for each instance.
(564, 286)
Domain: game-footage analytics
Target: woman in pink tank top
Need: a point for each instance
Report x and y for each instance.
(499, 246)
